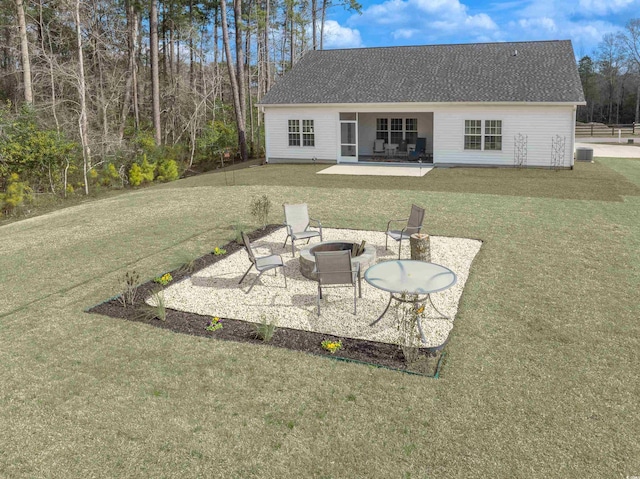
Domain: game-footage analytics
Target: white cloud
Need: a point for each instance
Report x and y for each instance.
(544, 23)
(446, 16)
(602, 7)
(337, 36)
(404, 33)
(481, 20)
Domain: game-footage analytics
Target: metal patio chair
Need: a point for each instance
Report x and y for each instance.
(412, 225)
(378, 147)
(298, 223)
(261, 263)
(334, 268)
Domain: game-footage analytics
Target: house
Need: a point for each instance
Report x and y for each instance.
(482, 104)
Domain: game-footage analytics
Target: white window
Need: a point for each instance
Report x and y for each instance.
(411, 130)
(308, 135)
(382, 129)
(475, 140)
(395, 130)
(304, 137)
(473, 134)
(294, 132)
(493, 135)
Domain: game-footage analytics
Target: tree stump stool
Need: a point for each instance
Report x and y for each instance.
(420, 247)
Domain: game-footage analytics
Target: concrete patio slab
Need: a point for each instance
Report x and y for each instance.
(370, 170)
(612, 150)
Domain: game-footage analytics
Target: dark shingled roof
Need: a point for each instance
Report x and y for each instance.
(479, 72)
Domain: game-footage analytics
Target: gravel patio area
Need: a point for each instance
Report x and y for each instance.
(214, 290)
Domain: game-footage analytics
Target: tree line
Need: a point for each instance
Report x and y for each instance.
(92, 86)
(611, 79)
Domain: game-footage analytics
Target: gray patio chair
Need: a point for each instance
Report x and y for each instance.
(412, 225)
(334, 268)
(298, 223)
(261, 263)
(378, 147)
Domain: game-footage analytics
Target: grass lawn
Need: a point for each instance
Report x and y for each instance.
(541, 377)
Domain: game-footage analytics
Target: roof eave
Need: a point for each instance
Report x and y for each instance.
(423, 104)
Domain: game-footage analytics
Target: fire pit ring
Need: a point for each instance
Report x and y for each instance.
(308, 260)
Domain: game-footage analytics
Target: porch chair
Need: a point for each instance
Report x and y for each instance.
(378, 147)
(334, 268)
(261, 263)
(298, 222)
(413, 224)
(419, 151)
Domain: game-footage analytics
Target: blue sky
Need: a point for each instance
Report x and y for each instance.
(424, 22)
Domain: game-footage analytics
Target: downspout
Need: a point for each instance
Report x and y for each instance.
(266, 135)
(573, 135)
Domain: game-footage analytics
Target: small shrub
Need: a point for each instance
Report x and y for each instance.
(331, 346)
(260, 206)
(148, 170)
(130, 282)
(135, 175)
(265, 330)
(15, 195)
(238, 228)
(214, 324)
(109, 176)
(164, 280)
(188, 266)
(159, 309)
(168, 171)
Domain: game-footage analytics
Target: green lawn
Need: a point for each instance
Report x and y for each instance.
(541, 377)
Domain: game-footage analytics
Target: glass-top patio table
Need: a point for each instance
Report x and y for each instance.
(412, 278)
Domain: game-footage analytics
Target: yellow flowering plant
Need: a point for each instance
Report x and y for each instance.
(164, 280)
(219, 251)
(214, 324)
(331, 346)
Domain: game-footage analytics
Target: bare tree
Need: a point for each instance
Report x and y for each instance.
(155, 75)
(609, 58)
(630, 41)
(24, 48)
(83, 123)
(235, 89)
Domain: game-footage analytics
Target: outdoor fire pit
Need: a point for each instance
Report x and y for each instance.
(308, 261)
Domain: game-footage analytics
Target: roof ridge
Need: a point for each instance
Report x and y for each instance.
(438, 45)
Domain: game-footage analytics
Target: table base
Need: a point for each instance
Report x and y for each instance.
(416, 300)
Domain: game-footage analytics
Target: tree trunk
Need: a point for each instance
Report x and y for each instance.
(155, 75)
(49, 57)
(314, 20)
(192, 78)
(291, 39)
(242, 142)
(237, 10)
(267, 68)
(637, 117)
(137, 33)
(126, 107)
(24, 48)
(324, 15)
(83, 123)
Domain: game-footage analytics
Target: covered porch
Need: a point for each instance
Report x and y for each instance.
(383, 137)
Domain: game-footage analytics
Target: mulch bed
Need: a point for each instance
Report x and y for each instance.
(357, 350)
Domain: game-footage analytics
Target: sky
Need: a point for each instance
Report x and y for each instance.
(428, 22)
